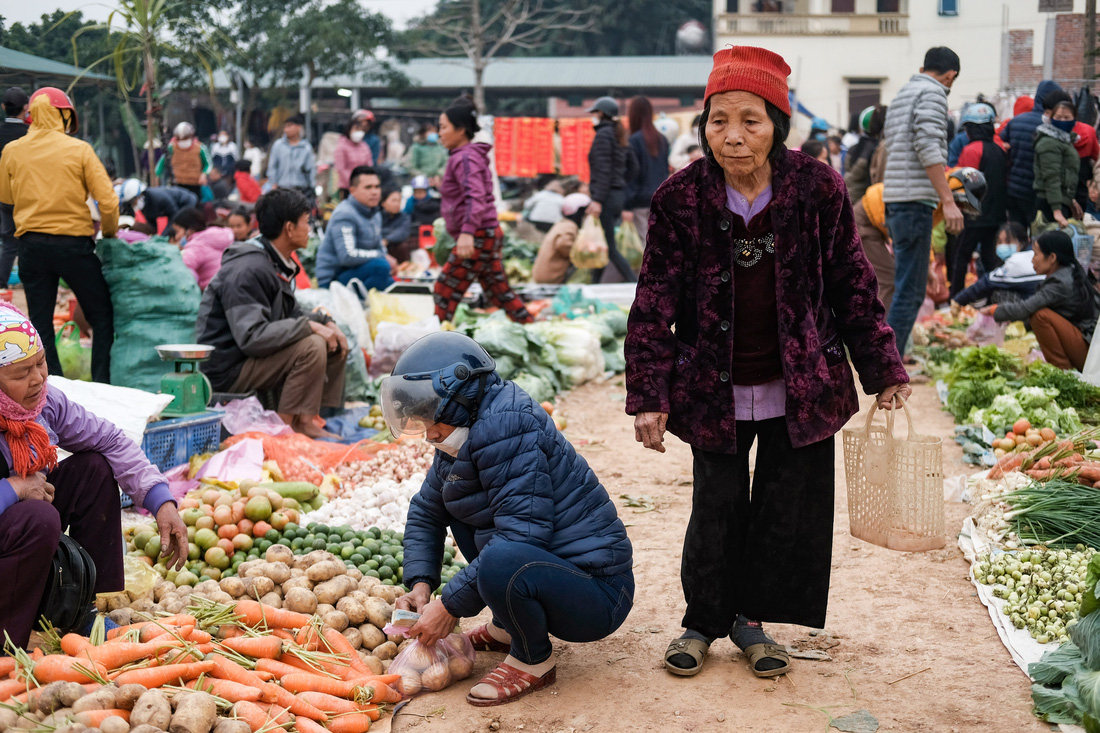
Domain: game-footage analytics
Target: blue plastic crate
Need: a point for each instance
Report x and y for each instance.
(168, 443)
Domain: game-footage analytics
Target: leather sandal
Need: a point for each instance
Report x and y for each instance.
(694, 648)
(483, 641)
(757, 652)
(511, 684)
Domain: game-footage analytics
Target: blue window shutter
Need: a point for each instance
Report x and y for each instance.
(949, 7)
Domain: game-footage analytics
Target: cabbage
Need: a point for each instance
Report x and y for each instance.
(501, 337)
(1056, 665)
(613, 357)
(576, 347)
(1035, 404)
(615, 319)
(537, 387)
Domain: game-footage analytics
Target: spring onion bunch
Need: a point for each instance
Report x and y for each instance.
(1058, 513)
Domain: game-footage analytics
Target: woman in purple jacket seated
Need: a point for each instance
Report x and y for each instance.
(470, 214)
(41, 497)
(753, 284)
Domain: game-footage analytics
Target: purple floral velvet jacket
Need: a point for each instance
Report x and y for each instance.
(679, 346)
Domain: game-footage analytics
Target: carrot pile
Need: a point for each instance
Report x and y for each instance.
(271, 668)
(1064, 459)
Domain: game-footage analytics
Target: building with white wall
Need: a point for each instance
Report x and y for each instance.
(848, 54)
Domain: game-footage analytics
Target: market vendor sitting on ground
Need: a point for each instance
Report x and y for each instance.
(262, 339)
(1063, 311)
(202, 245)
(548, 554)
(353, 246)
(41, 497)
(552, 265)
(753, 286)
(154, 202)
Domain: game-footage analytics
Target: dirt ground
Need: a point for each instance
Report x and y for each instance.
(913, 645)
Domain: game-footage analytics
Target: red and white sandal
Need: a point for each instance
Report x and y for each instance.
(483, 641)
(511, 684)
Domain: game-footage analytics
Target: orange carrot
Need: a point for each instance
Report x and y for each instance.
(227, 689)
(329, 703)
(286, 699)
(266, 647)
(276, 668)
(352, 723)
(317, 683)
(7, 666)
(386, 679)
(227, 670)
(307, 638)
(305, 725)
(295, 661)
(73, 644)
(381, 692)
(282, 634)
(251, 713)
(60, 668)
(92, 718)
(257, 613)
(198, 636)
(180, 619)
(229, 632)
(12, 687)
(121, 653)
(264, 676)
(278, 713)
(37, 654)
(160, 676)
(339, 644)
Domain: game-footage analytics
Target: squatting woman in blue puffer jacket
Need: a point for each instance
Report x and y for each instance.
(548, 553)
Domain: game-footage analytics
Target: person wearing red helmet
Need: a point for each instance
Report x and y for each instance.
(366, 118)
(47, 177)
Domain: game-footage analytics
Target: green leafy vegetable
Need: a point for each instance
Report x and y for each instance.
(967, 395)
(1054, 705)
(1055, 665)
(1086, 635)
(982, 363)
(1036, 404)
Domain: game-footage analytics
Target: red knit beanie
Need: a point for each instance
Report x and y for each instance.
(751, 69)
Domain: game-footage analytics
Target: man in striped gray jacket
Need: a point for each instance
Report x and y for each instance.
(916, 153)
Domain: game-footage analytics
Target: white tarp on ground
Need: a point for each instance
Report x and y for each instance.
(129, 409)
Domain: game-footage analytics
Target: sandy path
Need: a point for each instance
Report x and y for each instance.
(893, 614)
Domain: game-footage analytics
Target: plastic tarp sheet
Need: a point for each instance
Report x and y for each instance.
(128, 408)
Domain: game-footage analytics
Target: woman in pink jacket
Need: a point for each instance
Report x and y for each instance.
(202, 246)
(351, 151)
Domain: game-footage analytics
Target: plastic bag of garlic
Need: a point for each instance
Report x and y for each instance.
(383, 504)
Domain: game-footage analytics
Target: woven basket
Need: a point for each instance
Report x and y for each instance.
(895, 487)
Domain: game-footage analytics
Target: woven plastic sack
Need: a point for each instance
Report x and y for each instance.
(304, 459)
(433, 668)
(385, 308)
(156, 301)
(895, 487)
(590, 247)
(630, 244)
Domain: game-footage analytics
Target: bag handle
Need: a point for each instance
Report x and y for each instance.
(68, 332)
(890, 418)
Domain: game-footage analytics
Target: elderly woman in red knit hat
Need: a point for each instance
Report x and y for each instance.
(754, 284)
(41, 497)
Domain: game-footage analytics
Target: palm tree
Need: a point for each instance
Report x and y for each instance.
(141, 33)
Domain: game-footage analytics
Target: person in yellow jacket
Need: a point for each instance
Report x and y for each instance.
(48, 176)
(870, 213)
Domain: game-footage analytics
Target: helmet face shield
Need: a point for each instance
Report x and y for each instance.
(410, 404)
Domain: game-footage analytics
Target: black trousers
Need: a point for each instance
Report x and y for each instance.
(983, 239)
(46, 258)
(762, 549)
(610, 214)
(9, 245)
(1021, 211)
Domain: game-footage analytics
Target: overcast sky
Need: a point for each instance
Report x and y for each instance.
(399, 10)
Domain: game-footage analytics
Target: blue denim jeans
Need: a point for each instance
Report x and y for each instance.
(534, 593)
(373, 274)
(910, 225)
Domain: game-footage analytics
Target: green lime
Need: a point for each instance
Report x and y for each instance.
(385, 550)
(284, 542)
(400, 573)
(290, 527)
(364, 568)
(372, 546)
(399, 536)
(400, 558)
(254, 552)
(318, 544)
(372, 573)
(356, 542)
(265, 544)
(373, 564)
(272, 536)
(289, 535)
(312, 526)
(375, 532)
(391, 563)
(296, 543)
(347, 536)
(333, 548)
(387, 581)
(347, 551)
(385, 572)
(357, 558)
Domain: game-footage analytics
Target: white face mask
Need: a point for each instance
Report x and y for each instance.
(357, 136)
(596, 120)
(184, 144)
(452, 442)
(1004, 251)
(223, 139)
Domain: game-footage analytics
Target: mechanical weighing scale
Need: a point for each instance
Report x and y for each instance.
(190, 389)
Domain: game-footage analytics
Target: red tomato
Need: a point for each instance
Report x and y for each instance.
(260, 529)
(228, 531)
(245, 527)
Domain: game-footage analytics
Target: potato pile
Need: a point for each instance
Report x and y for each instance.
(66, 707)
(319, 583)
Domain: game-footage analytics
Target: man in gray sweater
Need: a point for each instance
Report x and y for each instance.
(915, 184)
(291, 163)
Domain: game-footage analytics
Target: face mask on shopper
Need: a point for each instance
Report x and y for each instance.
(433, 137)
(1004, 251)
(596, 120)
(183, 144)
(451, 444)
(357, 136)
(1064, 125)
(223, 139)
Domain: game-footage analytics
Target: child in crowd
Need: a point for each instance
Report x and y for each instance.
(247, 187)
(240, 223)
(424, 206)
(1015, 280)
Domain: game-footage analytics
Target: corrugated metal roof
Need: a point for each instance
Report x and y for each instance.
(11, 60)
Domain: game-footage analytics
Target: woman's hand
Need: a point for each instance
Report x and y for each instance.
(1060, 218)
(435, 623)
(416, 599)
(1078, 212)
(464, 247)
(173, 536)
(987, 310)
(649, 430)
(594, 209)
(885, 398)
(35, 486)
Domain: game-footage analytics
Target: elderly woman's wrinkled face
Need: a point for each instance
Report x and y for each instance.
(24, 380)
(739, 132)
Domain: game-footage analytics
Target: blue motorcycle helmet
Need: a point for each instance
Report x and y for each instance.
(443, 372)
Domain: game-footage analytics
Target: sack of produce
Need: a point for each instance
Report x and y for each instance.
(76, 360)
(630, 244)
(895, 487)
(590, 247)
(432, 668)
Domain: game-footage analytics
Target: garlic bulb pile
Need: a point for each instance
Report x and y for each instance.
(384, 504)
